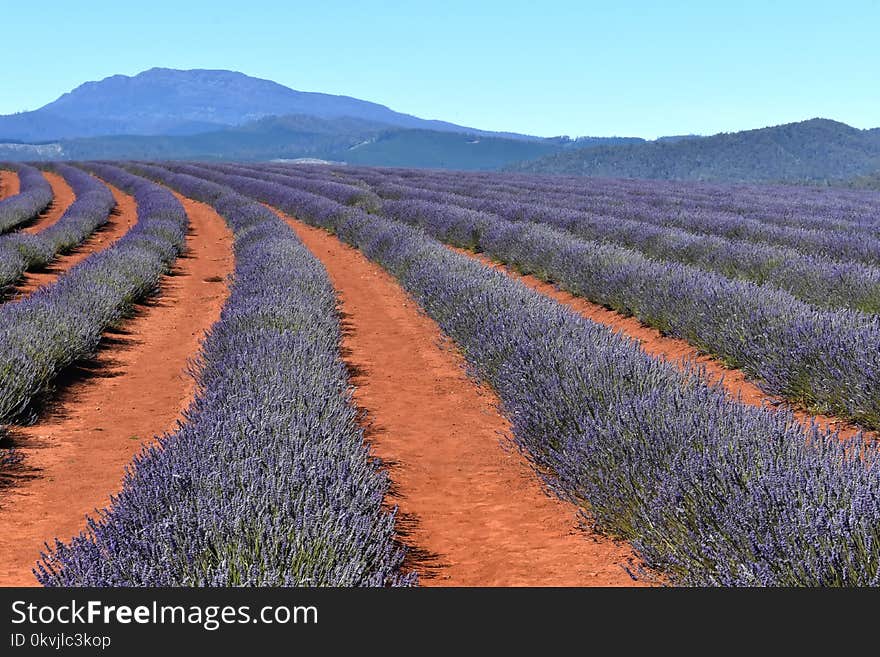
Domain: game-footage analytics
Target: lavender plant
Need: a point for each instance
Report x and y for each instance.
(817, 280)
(829, 209)
(63, 322)
(821, 359)
(355, 195)
(268, 482)
(20, 252)
(35, 195)
(613, 201)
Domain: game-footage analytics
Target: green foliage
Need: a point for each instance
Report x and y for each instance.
(442, 150)
(818, 150)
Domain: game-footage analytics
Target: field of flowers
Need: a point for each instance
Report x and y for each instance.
(269, 481)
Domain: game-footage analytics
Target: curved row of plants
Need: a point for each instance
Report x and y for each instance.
(268, 482)
(708, 490)
(63, 322)
(825, 360)
(346, 194)
(786, 207)
(815, 279)
(837, 245)
(799, 206)
(20, 252)
(34, 196)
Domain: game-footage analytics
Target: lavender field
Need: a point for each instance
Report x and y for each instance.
(558, 295)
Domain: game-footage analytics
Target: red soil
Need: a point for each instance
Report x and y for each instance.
(121, 219)
(75, 457)
(64, 196)
(8, 184)
(470, 505)
(672, 349)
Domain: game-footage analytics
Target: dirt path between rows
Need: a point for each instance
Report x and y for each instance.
(121, 219)
(63, 196)
(136, 388)
(672, 349)
(470, 504)
(9, 184)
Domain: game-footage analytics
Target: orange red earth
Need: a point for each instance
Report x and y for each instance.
(137, 387)
(123, 217)
(9, 184)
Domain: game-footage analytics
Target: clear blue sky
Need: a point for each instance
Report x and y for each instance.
(547, 68)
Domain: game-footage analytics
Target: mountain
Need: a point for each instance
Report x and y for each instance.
(813, 151)
(165, 101)
(223, 115)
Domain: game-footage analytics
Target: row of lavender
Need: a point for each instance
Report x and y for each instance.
(783, 204)
(800, 207)
(62, 323)
(20, 252)
(815, 279)
(831, 261)
(268, 482)
(838, 245)
(708, 490)
(34, 196)
(795, 207)
(826, 360)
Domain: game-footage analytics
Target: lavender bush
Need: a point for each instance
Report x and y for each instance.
(268, 482)
(829, 209)
(823, 360)
(63, 322)
(814, 279)
(35, 195)
(820, 280)
(613, 201)
(355, 195)
(20, 251)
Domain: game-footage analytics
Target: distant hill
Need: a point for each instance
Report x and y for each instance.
(814, 150)
(167, 102)
(671, 138)
(431, 149)
(870, 181)
(590, 142)
(354, 141)
(268, 138)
